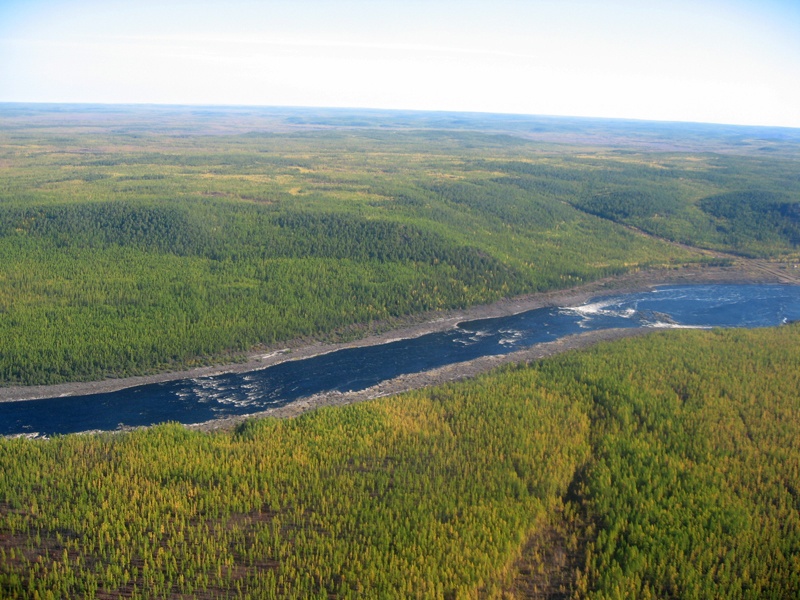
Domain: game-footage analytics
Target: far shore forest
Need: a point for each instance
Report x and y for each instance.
(149, 239)
(145, 239)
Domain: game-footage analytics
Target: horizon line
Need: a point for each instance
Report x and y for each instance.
(388, 110)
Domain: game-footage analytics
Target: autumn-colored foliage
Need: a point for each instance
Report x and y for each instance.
(676, 454)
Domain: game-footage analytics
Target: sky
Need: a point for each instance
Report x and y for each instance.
(716, 61)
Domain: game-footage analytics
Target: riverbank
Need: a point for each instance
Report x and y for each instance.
(415, 327)
(433, 377)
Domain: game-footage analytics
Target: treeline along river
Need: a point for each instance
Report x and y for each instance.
(204, 399)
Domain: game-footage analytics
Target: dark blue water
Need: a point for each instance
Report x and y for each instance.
(203, 399)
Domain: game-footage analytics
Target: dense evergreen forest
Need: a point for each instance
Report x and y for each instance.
(663, 466)
(138, 239)
(142, 239)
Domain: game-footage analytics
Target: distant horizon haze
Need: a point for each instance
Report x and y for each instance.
(388, 111)
(732, 62)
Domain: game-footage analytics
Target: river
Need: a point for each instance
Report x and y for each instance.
(203, 399)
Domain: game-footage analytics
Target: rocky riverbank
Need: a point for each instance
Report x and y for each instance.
(417, 326)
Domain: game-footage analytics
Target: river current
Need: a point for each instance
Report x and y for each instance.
(202, 399)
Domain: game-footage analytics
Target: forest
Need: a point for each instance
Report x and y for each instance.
(143, 239)
(658, 466)
(136, 240)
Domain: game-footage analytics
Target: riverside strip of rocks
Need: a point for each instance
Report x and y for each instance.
(415, 327)
(414, 381)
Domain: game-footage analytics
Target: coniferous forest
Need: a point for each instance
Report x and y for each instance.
(663, 466)
(145, 239)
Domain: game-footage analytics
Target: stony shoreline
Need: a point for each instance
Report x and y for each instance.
(415, 327)
(433, 377)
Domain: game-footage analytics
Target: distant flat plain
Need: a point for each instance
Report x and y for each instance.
(144, 240)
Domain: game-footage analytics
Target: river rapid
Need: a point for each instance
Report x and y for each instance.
(203, 399)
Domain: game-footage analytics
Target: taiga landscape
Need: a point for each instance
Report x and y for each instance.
(201, 243)
(344, 299)
(143, 240)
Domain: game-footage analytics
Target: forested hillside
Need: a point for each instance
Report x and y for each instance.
(669, 465)
(135, 240)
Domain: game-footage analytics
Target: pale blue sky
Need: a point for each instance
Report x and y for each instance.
(725, 61)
